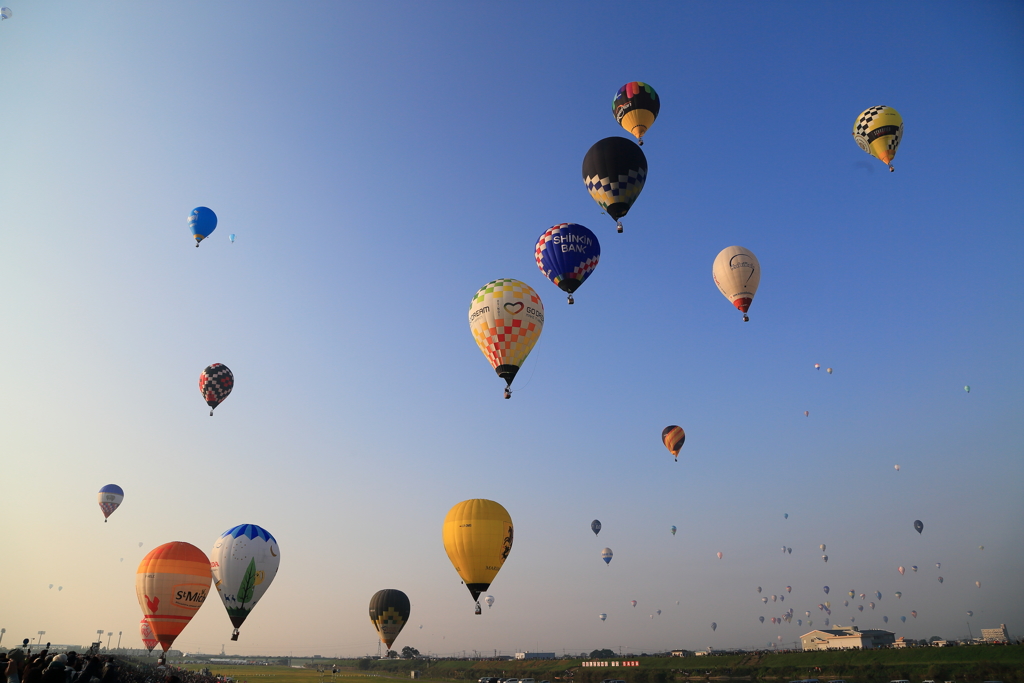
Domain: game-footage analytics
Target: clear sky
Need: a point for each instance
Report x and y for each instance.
(379, 162)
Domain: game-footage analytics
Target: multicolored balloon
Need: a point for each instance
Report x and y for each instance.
(878, 131)
(635, 107)
(737, 273)
(244, 562)
(602, 616)
(633, 602)
(110, 498)
(506, 317)
(5, 13)
(389, 613)
(673, 529)
(567, 254)
(201, 222)
(171, 584)
(673, 437)
(899, 595)
(215, 384)
(614, 171)
(478, 537)
(606, 555)
(913, 613)
(148, 637)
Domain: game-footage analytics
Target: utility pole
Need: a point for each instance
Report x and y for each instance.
(119, 640)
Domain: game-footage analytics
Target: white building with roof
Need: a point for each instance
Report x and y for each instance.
(995, 635)
(846, 638)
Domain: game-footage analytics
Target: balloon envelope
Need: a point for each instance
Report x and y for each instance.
(595, 526)
(673, 529)
(673, 437)
(489, 600)
(506, 317)
(215, 384)
(918, 526)
(171, 584)
(878, 131)
(602, 616)
(633, 602)
(828, 370)
(714, 626)
(5, 13)
(606, 555)
(567, 254)
(231, 237)
(477, 536)
(825, 589)
(789, 589)
(913, 613)
(737, 273)
(244, 561)
(201, 222)
(901, 570)
(148, 637)
(635, 107)
(761, 619)
(110, 497)
(719, 555)
(389, 613)
(614, 171)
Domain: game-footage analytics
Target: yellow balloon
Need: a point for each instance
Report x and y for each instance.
(478, 538)
(506, 317)
(878, 132)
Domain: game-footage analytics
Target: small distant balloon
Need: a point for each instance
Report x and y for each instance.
(871, 605)
(914, 567)
(673, 529)
(970, 613)
(761, 619)
(602, 616)
(807, 413)
(764, 600)
(782, 598)
(828, 605)
(822, 546)
(918, 526)
(807, 613)
(967, 388)
(826, 621)
(51, 585)
(60, 588)
(489, 600)
(938, 565)
(789, 589)
(897, 468)
(110, 498)
(5, 13)
(201, 222)
(878, 594)
(825, 557)
(825, 589)
(758, 589)
(633, 602)
(885, 620)
(140, 544)
(719, 554)
(828, 370)
(799, 622)
(903, 619)
(981, 547)
(789, 550)
(913, 613)
(785, 515)
(850, 593)
(901, 570)
(860, 608)
(714, 626)
(899, 595)
(978, 584)
(817, 366)
(940, 579)
(595, 526)
(659, 613)
(846, 603)
(215, 384)
(673, 437)
(774, 598)
(606, 555)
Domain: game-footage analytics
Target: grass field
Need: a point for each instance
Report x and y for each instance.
(960, 664)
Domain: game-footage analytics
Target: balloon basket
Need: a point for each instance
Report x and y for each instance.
(571, 300)
(234, 634)
(508, 393)
(618, 227)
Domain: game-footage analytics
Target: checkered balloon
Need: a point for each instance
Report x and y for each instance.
(506, 317)
(215, 384)
(878, 131)
(567, 254)
(614, 172)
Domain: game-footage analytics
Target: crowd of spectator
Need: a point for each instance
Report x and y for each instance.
(71, 667)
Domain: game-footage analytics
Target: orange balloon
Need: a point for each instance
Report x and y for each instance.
(172, 583)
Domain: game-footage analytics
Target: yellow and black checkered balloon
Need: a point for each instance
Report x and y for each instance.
(878, 132)
(389, 612)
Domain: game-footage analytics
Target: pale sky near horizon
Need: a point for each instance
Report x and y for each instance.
(378, 163)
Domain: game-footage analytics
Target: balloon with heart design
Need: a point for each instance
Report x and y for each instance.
(506, 317)
(171, 584)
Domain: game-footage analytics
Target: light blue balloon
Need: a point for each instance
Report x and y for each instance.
(231, 237)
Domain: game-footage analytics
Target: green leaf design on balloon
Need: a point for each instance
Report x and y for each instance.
(245, 590)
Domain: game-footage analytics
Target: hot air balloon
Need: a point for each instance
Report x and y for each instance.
(828, 605)
(785, 515)
(232, 237)
(110, 497)
(940, 579)
(774, 598)
(825, 589)
(918, 526)
(60, 588)
(489, 600)
(807, 613)
(789, 589)
(774, 620)
(758, 589)
(5, 13)
(799, 622)
(817, 366)
(614, 172)
(244, 561)
(885, 619)
(719, 555)
(850, 593)
(478, 538)
(970, 613)
(172, 583)
(506, 318)
(825, 557)
(822, 546)
(897, 468)
(903, 619)
(981, 547)
(215, 384)
(633, 602)
(861, 596)
(899, 595)
(602, 616)
(202, 221)
(826, 622)
(846, 603)
(782, 598)
(901, 570)
(967, 388)
(860, 608)
(673, 529)
(567, 254)
(737, 273)
(673, 438)
(764, 600)
(871, 605)
(807, 413)
(635, 107)
(913, 613)
(761, 619)
(878, 594)
(389, 612)
(606, 555)
(938, 565)
(828, 370)
(714, 626)
(148, 637)
(595, 526)
(914, 567)
(659, 613)
(51, 585)
(783, 549)
(878, 132)
(978, 584)
(789, 551)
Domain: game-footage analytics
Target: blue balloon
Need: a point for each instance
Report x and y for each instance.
(567, 254)
(202, 221)
(231, 237)
(595, 526)
(606, 555)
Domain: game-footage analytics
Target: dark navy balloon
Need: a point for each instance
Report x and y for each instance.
(202, 221)
(595, 526)
(567, 254)
(918, 526)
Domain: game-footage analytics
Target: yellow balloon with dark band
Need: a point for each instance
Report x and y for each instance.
(878, 131)
(478, 538)
(635, 107)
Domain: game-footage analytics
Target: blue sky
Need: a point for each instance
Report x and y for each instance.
(378, 164)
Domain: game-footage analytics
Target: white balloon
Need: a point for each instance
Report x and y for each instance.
(244, 562)
(737, 273)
